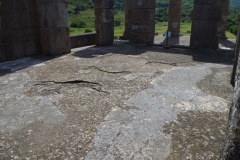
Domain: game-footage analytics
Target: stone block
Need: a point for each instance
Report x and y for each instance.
(175, 2)
(55, 41)
(52, 13)
(204, 41)
(105, 34)
(206, 2)
(143, 26)
(204, 28)
(22, 34)
(174, 26)
(107, 4)
(142, 15)
(138, 38)
(104, 16)
(16, 50)
(174, 13)
(2, 53)
(143, 4)
(83, 40)
(21, 6)
(203, 12)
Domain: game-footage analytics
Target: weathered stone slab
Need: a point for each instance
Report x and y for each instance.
(83, 40)
(205, 12)
(141, 37)
(2, 53)
(52, 13)
(16, 50)
(55, 41)
(104, 16)
(142, 14)
(143, 26)
(105, 34)
(143, 4)
(205, 2)
(107, 4)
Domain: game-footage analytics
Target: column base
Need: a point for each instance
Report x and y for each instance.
(176, 34)
(223, 36)
(125, 36)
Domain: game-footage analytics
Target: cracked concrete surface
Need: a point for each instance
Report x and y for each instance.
(117, 102)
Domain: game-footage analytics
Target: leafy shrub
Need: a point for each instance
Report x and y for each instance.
(78, 24)
(234, 29)
(88, 30)
(117, 22)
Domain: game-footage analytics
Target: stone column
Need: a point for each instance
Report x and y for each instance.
(174, 17)
(127, 30)
(232, 144)
(142, 20)
(53, 19)
(222, 24)
(104, 22)
(19, 29)
(205, 17)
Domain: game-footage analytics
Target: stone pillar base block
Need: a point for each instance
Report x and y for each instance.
(138, 38)
(55, 41)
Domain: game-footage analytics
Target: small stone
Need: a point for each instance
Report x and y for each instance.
(179, 146)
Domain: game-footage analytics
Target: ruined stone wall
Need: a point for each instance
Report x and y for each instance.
(20, 28)
(205, 17)
(142, 21)
(232, 144)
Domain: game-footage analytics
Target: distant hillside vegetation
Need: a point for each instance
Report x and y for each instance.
(235, 1)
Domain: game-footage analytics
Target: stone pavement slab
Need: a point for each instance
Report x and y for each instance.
(117, 102)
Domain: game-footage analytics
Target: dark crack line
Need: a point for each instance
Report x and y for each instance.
(172, 64)
(100, 90)
(70, 82)
(107, 71)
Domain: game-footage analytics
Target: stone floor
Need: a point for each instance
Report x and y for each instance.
(119, 102)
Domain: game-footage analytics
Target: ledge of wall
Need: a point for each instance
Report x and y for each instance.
(83, 40)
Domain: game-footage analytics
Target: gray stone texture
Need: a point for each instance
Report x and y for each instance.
(83, 40)
(205, 17)
(104, 22)
(19, 28)
(174, 17)
(222, 24)
(54, 30)
(232, 143)
(142, 21)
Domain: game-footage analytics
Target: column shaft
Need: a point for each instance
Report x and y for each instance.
(174, 17)
(104, 22)
(127, 30)
(222, 24)
(205, 17)
(20, 29)
(142, 21)
(53, 17)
